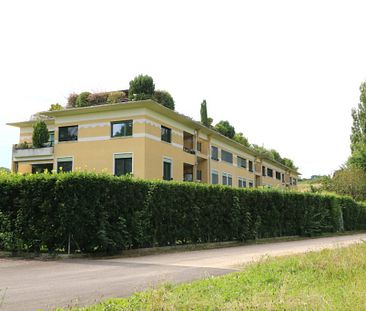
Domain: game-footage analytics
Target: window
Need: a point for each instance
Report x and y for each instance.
(51, 138)
(294, 182)
(251, 184)
(166, 134)
(227, 179)
(64, 165)
(214, 177)
(199, 175)
(167, 169)
(264, 171)
(199, 146)
(214, 153)
(290, 180)
(121, 128)
(250, 166)
(242, 162)
(122, 164)
(278, 175)
(242, 182)
(226, 156)
(283, 178)
(68, 133)
(269, 172)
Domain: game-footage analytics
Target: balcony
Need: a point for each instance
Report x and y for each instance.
(28, 153)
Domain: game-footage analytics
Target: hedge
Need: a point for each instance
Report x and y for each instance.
(103, 213)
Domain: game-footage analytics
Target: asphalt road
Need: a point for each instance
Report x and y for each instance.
(34, 284)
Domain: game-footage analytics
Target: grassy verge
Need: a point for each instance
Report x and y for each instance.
(326, 280)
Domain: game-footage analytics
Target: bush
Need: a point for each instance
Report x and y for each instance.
(116, 97)
(164, 98)
(40, 134)
(141, 87)
(103, 213)
(95, 99)
(82, 100)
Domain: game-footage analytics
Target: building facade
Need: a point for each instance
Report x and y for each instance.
(147, 140)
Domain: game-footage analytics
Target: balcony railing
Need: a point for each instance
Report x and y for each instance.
(22, 151)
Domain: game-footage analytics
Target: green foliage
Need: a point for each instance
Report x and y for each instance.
(4, 170)
(241, 139)
(358, 136)
(141, 87)
(164, 98)
(103, 213)
(55, 107)
(331, 279)
(40, 134)
(204, 116)
(82, 99)
(116, 97)
(273, 155)
(348, 181)
(225, 128)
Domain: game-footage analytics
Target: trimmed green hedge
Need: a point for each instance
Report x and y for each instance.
(103, 213)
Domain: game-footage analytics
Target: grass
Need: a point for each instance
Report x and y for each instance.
(326, 280)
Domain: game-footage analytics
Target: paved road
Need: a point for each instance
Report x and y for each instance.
(33, 284)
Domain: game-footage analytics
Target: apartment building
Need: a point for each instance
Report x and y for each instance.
(147, 140)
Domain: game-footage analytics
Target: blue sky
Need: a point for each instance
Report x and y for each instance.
(285, 73)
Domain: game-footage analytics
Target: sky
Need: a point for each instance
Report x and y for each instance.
(285, 73)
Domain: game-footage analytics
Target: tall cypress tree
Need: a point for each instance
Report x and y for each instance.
(204, 117)
(358, 136)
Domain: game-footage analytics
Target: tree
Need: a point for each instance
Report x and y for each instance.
(164, 98)
(141, 87)
(225, 128)
(82, 99)
(358, 136)
(71, 100)
(348, 181)
(55, 107)
(241, 139)
(204, 117)
(40, 134)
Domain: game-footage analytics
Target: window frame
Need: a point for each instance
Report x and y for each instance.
(212, 156)
(226, 153)
(65, 159)
(242, 160)
(251, 166)
(162, 127)
(278, 174)
(229, 177)
(121, 154)
(243, 182)
(119, 122)
(270, 174)
(215, 172)
(168, 160)
(64, 127)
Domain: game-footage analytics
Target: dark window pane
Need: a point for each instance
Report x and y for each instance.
(263, 171)
(122, 166)
(242, 162)
(68, 133)
(226, 156)
(250, 166)
(214, 153)
(269, 172)
(167, 171)
(122, 128)
(64, 166)
(166, 134)
(215, 178)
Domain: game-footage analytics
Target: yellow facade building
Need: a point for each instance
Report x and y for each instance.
(147, 140)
